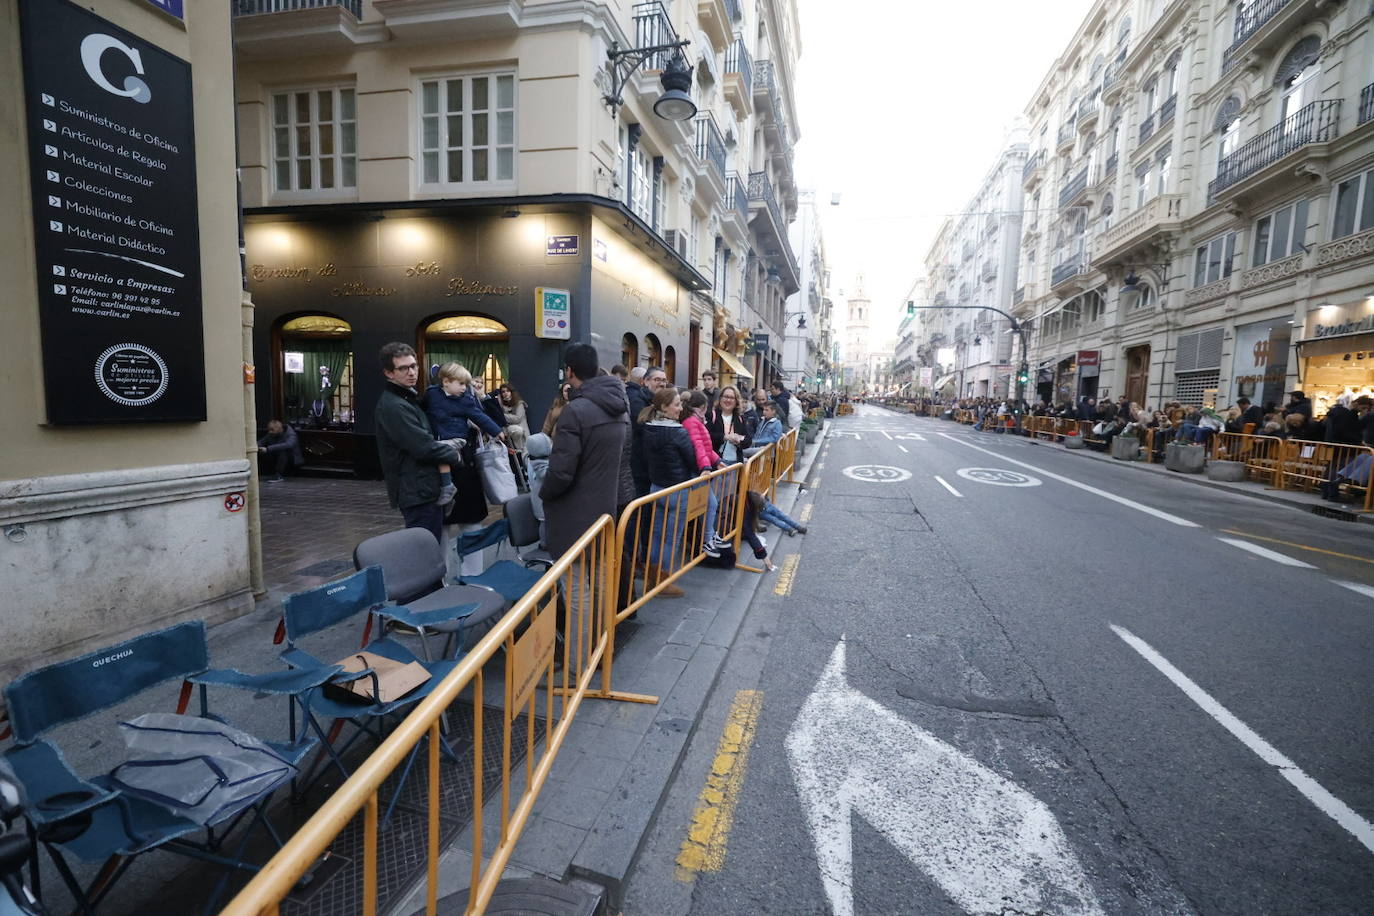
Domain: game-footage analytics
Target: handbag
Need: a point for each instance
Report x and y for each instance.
(493, 464)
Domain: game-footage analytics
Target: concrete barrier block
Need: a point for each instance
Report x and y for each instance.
(1125, 448)
(1073, 442)
(1186, 459)
(1230, 471)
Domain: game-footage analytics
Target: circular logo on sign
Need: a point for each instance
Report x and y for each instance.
(998, 477)
(562, 324)
(131, 374)
(234, 502)
(877, 473)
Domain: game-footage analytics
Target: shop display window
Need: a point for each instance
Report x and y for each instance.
(314, 374)
(479, 344)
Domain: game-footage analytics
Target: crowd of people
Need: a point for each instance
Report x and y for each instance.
(609, 438)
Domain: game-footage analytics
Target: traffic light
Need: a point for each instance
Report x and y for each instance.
(1023, 375)
(910, 307)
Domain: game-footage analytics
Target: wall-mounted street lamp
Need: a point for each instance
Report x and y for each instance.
(675, 104)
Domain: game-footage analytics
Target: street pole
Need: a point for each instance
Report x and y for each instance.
(1015, 329)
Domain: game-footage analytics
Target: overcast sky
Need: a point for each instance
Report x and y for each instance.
(904, 105)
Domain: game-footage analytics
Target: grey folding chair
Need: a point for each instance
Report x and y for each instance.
(414, 565)
(524, 532)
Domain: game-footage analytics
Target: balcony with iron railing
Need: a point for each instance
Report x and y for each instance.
(1318, 122)
(1033, 164)
(736, 198)
(761, 192)
(653, 27)
(1074, 264)
(989, 271)
(1250, 18)
(1156, 119)
(1109, 166)
(1019, 296)
(1076, 186)
(263, 7)
(1066, 133)
(1366, 112)
(739, 63)
(710, 145)
(1087, 112)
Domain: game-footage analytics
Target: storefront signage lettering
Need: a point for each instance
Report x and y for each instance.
(630, 293)
(423, 269)
(1363, 326)
(113, 178)
(457, 286)
(258, 272)
(361, 289)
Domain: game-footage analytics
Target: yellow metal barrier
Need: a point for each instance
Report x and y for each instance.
(784, 459)
(1308, 465)
(1263, 456)
(577, 591)
(844, 409)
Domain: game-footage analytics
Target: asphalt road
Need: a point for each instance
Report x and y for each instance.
(1079, 694)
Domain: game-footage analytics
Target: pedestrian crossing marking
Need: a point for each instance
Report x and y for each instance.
(703, 849)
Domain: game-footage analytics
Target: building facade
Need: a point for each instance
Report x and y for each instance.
(807, 322)
(125, 486)
(970, 271)
(1199, 221)
(434, 172)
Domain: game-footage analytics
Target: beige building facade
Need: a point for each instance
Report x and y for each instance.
(424, 171)
(122, 519)
(1197, 227)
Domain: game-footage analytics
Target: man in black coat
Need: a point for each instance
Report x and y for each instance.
(783, 399)
(583, 479)
(1342, 424)
(1250, 413)
(409, 453)
(1298, 403)
(639, 395)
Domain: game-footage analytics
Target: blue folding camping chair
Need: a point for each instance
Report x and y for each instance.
(92, 817)
(360, 597)
(510, 579)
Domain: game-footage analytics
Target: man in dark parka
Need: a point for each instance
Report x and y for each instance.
(583, 479)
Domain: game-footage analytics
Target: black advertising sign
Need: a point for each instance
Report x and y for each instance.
(112, 168)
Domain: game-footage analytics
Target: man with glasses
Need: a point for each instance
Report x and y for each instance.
(639, 397)
(409, 453)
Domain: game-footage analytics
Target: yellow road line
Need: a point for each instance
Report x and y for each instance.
(703, 849)
(786, 574)
(806, 513)
(1330, 553)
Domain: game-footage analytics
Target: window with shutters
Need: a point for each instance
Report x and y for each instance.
(314, 141)
(1195, 389)
(1280, 234)
(1198, 351)
(1213, 260)
(467, 132)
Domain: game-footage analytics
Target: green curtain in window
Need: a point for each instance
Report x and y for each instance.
(303, 389)
(470, 354)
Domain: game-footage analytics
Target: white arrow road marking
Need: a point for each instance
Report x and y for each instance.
(1272, 555)
(1141, 507)
(1329, 804)
(988, 843)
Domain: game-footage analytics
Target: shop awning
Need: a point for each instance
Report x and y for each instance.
(943, 380)
(733, 362)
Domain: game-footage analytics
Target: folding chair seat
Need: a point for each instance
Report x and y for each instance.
(356, 599)
(507, 578)
(413, 567)
(92, 817)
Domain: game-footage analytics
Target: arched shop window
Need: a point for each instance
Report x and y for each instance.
(629, 351)
(670, 365)
(315, 372)
(479, 344)
(655, 350)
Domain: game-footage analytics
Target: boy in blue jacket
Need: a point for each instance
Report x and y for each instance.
(450, 408)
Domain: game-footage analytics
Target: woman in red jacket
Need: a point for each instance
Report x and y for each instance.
(707, 461)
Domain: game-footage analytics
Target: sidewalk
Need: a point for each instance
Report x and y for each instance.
(614, 770)
(610, 775)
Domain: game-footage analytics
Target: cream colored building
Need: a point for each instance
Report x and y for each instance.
(416, 171)
(118, 527)
(1220, 154)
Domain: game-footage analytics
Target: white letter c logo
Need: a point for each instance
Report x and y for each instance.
(93, 46)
